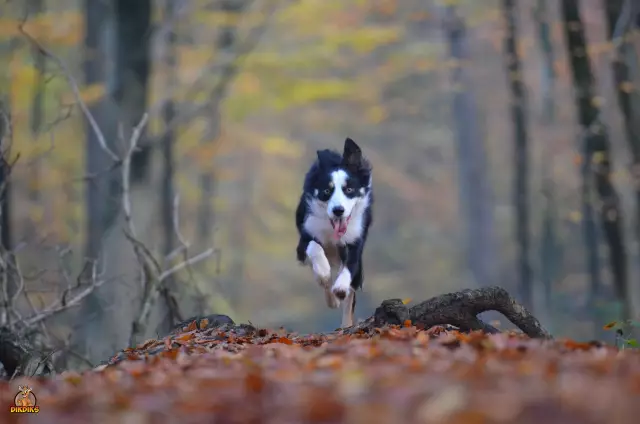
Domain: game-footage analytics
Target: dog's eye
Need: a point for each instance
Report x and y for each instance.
(349, 190)
(327, 191)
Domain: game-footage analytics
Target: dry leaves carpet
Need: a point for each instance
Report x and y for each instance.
(389, 375)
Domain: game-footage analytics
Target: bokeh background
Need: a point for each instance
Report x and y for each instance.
(240, 95)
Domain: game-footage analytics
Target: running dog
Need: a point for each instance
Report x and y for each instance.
(333, 220)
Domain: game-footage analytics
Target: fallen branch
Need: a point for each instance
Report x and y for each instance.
(459, 309)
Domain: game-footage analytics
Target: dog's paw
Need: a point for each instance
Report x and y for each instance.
(342, 285)
(332, 301)
(319, 263)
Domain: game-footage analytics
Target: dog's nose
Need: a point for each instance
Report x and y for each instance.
(338, 211)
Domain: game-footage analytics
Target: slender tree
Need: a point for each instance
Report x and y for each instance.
(548, 74)
(34, 8)
(168, 115)
(102, 185)
(475, 191)
(117, 57)
(521, 160)
(168, 140)
(5, 170)
(550, 247)
(620, 21)
(227, 49)
(597, 151)
(131, 74)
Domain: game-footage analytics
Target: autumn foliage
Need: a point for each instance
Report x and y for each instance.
(394, 374)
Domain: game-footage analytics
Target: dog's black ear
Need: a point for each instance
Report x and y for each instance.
(352, 156)
(324, 157)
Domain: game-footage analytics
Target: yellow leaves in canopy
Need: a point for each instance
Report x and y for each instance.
(307, 15)
(55, 28)
(247, 83)
(89, 94)
(364, 40)
(22, 80)
(194, 56)
(8, 28)
(218, 18)
(377, 114)
(205, 154)
(281, 146)
(448, 2)
(215, 19)
(308, 59)
(297, 93)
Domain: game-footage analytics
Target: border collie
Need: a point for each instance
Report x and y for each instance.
(333, 220)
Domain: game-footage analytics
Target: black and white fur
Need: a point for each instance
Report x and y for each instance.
(333, 219)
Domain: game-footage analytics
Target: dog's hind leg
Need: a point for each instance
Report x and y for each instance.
(348, 307)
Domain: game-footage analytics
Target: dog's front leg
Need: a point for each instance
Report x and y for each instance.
(319, 263)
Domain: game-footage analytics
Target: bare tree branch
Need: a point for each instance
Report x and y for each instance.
(74, 87)
(153, 275)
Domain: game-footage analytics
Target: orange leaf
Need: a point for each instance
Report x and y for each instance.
(284, 340)
(171, 354)
(203, 323)
(185, 337)
(193, 325)
(407, 323)
(572, 344)
(610, 325)
(254, 382)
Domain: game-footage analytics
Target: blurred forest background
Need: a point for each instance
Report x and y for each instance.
(499, 158)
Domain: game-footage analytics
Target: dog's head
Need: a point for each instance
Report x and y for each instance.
(343, 181)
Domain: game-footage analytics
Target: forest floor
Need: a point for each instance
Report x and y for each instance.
(394, 374)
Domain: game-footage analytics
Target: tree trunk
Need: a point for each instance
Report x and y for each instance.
(226, 44)
(117, 44)
(521, 161)
(168, 115)
(551, 252)
(102, 189)
(548, 74)
(597, 151)
(475, 191)
(619, 16)
(550, 249)
(5, 182)
(102, 186)
(36, 8)
(132, 75)
(168, 140)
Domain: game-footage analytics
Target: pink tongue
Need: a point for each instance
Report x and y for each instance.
(339, 229)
